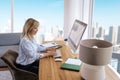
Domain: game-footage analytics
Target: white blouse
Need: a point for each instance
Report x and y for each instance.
(29, 51)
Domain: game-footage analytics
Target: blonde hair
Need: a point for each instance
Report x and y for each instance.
(28, 27)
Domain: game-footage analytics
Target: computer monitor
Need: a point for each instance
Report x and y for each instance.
(76, 34)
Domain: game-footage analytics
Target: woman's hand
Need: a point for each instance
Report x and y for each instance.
(50, 53)
(51, 49)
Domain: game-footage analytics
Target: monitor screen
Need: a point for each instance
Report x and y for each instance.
(76, 34)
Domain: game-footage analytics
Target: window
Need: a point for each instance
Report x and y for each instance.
(106, 26)
(49, 13)
(5, 16)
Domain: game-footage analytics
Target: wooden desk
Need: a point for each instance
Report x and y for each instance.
(50, 70)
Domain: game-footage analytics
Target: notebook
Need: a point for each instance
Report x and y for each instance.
(71, 64)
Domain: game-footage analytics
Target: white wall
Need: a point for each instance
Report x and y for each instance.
(77, 9)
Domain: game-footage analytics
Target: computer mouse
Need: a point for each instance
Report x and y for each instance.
(58, 59)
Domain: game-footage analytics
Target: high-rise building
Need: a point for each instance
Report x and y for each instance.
(118, 35)
(94, 31)
(100, 34)
(111, 36)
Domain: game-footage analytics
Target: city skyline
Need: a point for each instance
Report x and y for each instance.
(106, 13)
(112, 36)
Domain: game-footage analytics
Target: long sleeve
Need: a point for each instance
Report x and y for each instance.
(41, 48)
(28, 52)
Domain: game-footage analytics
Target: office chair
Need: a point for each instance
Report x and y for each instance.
(17, 74)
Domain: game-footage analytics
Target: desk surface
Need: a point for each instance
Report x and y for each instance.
(50, 70)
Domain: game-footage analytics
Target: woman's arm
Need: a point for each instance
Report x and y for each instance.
(49, 53)
(42, 48)
(51, 49)
(26, 46)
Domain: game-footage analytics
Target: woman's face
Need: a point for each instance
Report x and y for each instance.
(34, 30)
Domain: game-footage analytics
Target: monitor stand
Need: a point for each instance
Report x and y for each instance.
(73, 52)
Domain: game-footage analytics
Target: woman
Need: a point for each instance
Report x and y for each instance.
(29, 50)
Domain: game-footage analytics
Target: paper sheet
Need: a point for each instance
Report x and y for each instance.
(73, 61)
(51, 44)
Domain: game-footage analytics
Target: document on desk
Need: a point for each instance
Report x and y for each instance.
(72, 64)
(51, 44)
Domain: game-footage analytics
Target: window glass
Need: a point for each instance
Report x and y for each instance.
(5, 16)
(106, 26)
(48, 12)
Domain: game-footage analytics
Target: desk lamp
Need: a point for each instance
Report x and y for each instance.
(94, 54)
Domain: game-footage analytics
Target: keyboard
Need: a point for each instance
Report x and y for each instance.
(58, 53)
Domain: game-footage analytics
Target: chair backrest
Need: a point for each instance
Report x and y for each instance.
(10, 58)
(18, 74)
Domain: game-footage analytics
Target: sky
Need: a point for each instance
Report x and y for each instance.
(50, 13)
(107, 13)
